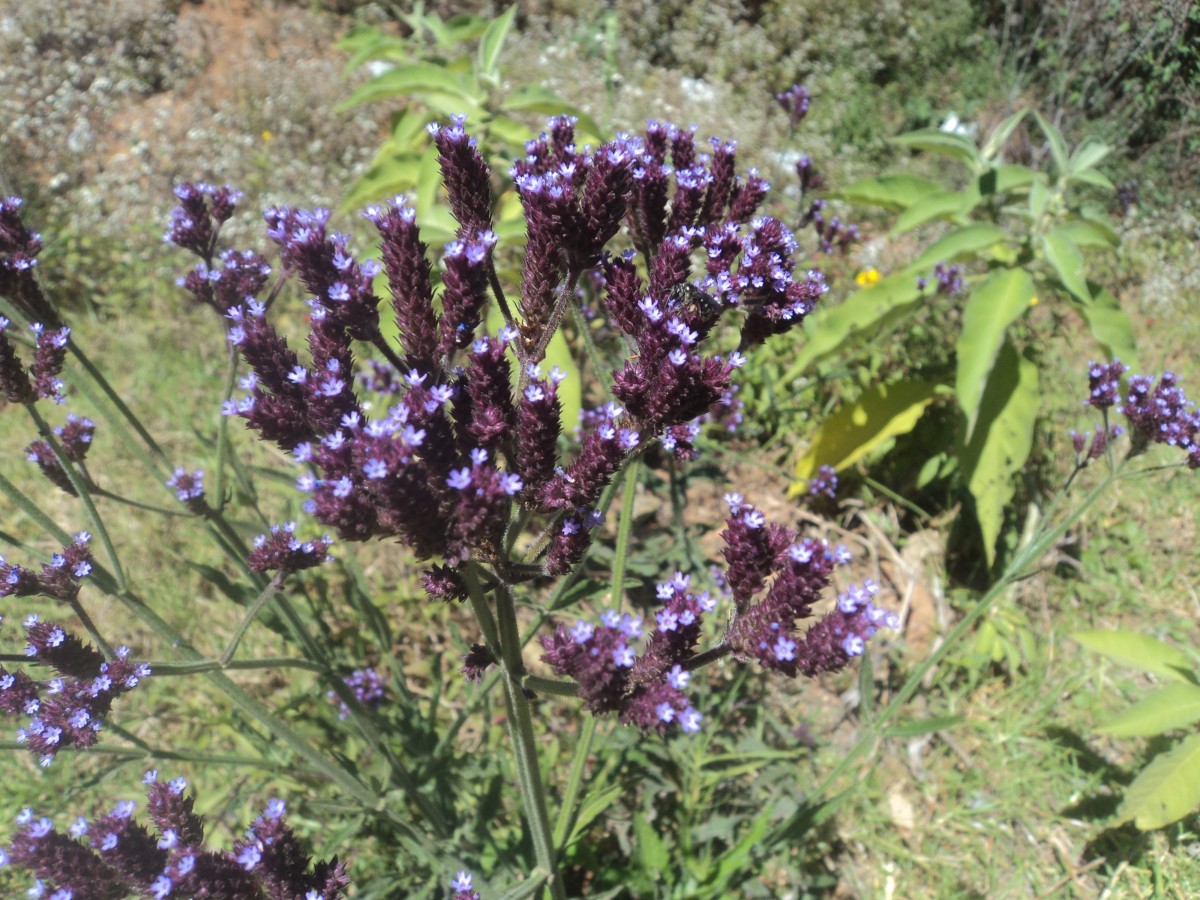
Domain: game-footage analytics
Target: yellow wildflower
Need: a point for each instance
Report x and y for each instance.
(867, 277)
(266, 136)
(1033, 301)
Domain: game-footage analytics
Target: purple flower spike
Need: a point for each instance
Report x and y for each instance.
(368, 688)
(282, 551)
(463, 887)
(75, 438)
(189, 488)
(1104, 383)
(824, 484)
(408, 275)
(466, 176)
(465, 290)
(794, 102)
(14, 380)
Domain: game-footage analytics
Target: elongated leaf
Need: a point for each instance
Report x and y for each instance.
(918, 727)
(943, 143)
(943, 205)
(1110, 326)
(1001, 440)
(527, 888)
(892, 191)
(855, 430)
(1001, 133)
(493, 41)
(1139, 651)
(1067, 261)
(368, 43)
(1089, 234)
(384, 179)
(403, 81)
(960, 242)
(1087, 154)
(1177, 705)
(860, 316)
(1058, 146)
(1005, 178)
(591, 809)
(428, 180)
(509, 130)
(734, 862)
(1095, 214)
(990, 309)
(531, 98)
(1094, 178)
(1039, 198)
(1167, 789)
(650, 850)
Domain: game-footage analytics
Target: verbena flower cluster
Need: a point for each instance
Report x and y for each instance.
(1157, 410)
(68, 709)
(114, 856)
(474, 434)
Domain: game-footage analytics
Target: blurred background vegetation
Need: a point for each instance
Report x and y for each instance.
(992, 783)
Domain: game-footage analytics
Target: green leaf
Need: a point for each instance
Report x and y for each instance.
(368, 43)
(919, 727)
(943, 143)
(1089, 234)
(1094, 178)
(1167, 789)
(650, 850)
(429, 178)
(528, 888)
(942, 205)
(1094, 214)
(1067, 261)
(990, 309)
(1087, 154)
(1005, 178)
(864, 313)
(855, 430)
(1139, 651)
(592, 808)
(493, 41)
(892, 191)
(384, 179)
(960, 242)
(1110, 326)
(509, 131)
(734, 863)
(1177, 705)
(1058, 146)
(1039, 198)
(531, 98)
(404, 81)
(1001, 440)
(1001, 133)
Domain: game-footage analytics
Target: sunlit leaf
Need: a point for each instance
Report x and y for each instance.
(1139, 651)
(1177, 705)
(1166, 790)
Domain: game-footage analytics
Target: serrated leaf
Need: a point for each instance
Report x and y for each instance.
(942, 205)
(892, 191)
(492, 41)
(1174, 706)
(1139, 651)
(1001, 133)
(960, 242)
(863, 314)
(650, 850)
(403, 81)
(1087, 154)
(990, 309)
(1001, 441)
(943, 143)
(1166, 790)
(854, 430)
(1058, 146)
(591, 809)
(1067, 261)
(1110, 325)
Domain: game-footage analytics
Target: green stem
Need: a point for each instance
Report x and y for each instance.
(168, 669)
(268, 592)
(601, 369)
(81, 490)
(566, 812)
(175, 755)
(223, 430)
(540, 685)
(116, 401)
(632, 472)
(137, 504)
(506, 633)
